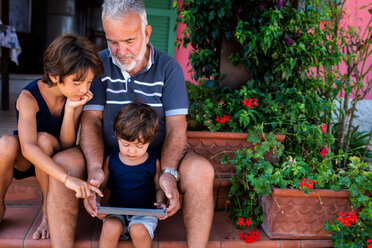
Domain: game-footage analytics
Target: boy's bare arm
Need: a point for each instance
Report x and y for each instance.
(71, 118)
(28, 137)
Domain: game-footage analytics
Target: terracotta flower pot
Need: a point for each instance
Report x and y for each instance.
(291, 214)
(208, 144)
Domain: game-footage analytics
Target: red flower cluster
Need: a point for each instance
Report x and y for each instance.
(324, 152)
(249, 102)
(223, 119)
(304, 183)
(369, 246)
(347, 220)
(323, 128)
(241, 222)
(249, 237)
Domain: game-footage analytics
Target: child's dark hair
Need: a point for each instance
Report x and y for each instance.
(136, 121)
(69, 54)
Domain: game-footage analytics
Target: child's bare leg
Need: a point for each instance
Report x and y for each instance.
(50, 145)
(10, 154)
(43, 230)
(112, 228)
(140, 236)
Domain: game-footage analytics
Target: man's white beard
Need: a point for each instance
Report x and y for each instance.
(135, 62)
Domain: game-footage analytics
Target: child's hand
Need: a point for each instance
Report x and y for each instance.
(101, 216)
(82, 188)
(160, 205)
(83, 100)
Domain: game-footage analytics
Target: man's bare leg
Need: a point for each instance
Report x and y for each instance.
(62, 205)
(50, 145)
(196, 185)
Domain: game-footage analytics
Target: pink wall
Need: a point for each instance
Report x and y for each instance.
(353, 16)
(358, 18)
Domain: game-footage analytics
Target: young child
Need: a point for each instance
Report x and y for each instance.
(48, 112)
(132, 175)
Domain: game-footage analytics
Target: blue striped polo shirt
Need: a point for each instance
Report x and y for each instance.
(161, 84)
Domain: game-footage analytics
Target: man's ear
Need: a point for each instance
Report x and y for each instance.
(55, 79)
(148, 30)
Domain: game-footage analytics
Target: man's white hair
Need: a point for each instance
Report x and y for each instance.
(119, 9)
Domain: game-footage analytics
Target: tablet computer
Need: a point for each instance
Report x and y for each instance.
(131, 211)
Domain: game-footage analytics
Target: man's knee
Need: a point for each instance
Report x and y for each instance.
(9, 146)
(72, 160)
(197, 171)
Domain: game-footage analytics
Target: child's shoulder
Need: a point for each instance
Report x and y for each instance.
(28, 94)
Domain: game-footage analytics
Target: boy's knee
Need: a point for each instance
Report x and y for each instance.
(138, 230)
(47, 142)
(9, 144)
(112, 227)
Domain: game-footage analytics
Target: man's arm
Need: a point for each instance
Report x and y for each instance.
(173, 150)
(92, 145)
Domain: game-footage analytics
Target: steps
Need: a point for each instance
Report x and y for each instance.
(23, 215)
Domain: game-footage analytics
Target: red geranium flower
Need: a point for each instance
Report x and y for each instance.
(324, 152)
(307, 183)
(223, 119)
(347, 218)
(249, 102)
(323, 128)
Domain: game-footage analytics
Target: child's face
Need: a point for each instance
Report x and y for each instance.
(134, 150)
(75, 90)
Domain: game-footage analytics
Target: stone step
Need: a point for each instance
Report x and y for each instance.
(21, 221)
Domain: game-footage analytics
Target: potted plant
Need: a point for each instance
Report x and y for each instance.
(293, 199)
(290, 91)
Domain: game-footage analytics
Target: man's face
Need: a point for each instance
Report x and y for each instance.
(127, 41)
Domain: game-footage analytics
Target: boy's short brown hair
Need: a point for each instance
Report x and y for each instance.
(69, 54)
(136, 121)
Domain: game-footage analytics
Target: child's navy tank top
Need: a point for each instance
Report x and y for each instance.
(132, 186)
(45, 121)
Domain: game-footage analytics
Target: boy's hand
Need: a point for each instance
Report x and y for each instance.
(161, 205)
(101, 216)
(83, 100)
(81, 188)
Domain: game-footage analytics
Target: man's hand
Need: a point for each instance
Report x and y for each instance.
(95, 178)
(169, 185)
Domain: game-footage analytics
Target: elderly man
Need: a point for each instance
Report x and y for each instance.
(135, 70)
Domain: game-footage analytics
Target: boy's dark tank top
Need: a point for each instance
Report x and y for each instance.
(45, 121)
(132, 186)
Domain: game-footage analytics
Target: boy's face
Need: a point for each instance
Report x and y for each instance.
(74, 89)
(134, 151)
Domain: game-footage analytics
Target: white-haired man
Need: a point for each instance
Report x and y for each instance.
(135, 70)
